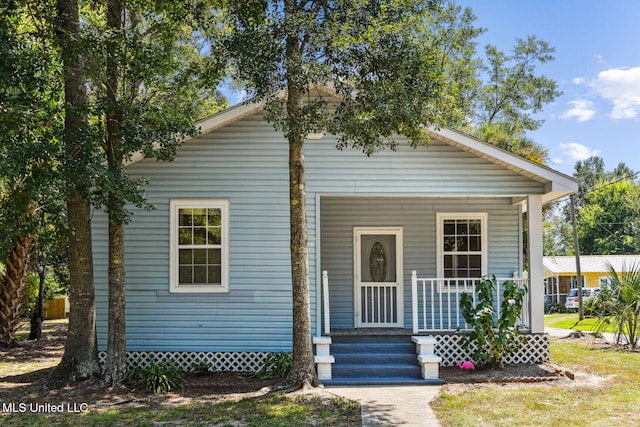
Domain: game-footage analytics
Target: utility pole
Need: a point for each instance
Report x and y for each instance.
(576, 245)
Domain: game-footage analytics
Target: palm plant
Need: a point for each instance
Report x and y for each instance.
(619, 304)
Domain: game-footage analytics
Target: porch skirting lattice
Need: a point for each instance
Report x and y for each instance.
(534, 349)
(192, 360)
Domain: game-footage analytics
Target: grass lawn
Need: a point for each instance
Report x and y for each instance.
(570, 321)
(606, 393)
(274, 410)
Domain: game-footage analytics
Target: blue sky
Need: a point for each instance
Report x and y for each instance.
(597, 67)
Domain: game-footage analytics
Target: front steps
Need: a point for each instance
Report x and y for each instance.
(375, 360)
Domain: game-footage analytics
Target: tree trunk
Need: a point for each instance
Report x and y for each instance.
(303, 373)
(80, 359)
(37, 317)
(17, 265)
(116, 364)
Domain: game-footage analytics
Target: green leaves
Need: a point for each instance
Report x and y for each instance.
(276, 365)
(30, 125)
(156, 377)
(492, 335)
(514, 92)
(619, 304)
(609, 220)
(150, 80)
(376, 55)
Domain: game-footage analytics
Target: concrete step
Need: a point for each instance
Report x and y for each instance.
(371, 339)
(378, 370)
(350, 381)
(375, 358)
(373, 347)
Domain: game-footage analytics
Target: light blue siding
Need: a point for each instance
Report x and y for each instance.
(246, 163)
(417, 216)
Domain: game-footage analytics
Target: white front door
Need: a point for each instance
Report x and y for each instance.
(378, 277)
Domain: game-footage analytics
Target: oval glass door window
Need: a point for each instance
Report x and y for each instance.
(378, 263)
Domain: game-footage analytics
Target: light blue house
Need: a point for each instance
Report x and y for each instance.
(394, 239)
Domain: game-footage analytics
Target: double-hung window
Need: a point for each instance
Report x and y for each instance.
(199, 246)
(462, 249)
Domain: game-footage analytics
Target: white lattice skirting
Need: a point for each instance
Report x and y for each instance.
(193, 360)
(534, 349)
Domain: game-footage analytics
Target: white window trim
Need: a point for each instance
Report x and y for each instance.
(440, 217)
(606, 279)
(175, 205)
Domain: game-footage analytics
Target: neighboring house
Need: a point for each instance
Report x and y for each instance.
(560, 272)
(208, 271)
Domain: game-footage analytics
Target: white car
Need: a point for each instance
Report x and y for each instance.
(572, 299)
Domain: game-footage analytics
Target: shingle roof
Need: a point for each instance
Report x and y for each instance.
(590, 263)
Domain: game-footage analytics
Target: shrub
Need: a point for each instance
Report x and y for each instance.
(593, 306)
(620, 304)
(200, 367)
(276, 365)
(493, 337)
(155, 378)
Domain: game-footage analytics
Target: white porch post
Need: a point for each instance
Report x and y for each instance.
(325, 300)
(414, 300)
(536, 269)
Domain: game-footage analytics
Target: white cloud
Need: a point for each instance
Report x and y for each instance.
(581, 110)
(620, 86)
(575, 152)
(578, 80)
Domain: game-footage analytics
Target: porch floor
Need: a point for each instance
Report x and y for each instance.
(363, 332)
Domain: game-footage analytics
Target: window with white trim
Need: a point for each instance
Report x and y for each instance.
(605, 282)
(462, 248)
(199, 246)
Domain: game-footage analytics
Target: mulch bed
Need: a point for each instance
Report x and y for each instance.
(520, 373)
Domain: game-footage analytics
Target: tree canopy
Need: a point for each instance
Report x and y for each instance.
(513, 91)
(609, 220)
(607, 212)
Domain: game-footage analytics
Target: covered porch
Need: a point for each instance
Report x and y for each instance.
(394, 269)
(404, 262)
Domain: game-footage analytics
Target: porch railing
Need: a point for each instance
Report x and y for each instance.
(436, 302)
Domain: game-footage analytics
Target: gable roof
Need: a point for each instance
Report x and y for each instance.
(589, 263)
(557, 185)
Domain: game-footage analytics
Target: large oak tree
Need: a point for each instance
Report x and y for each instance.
(80, 358)
(381, 61)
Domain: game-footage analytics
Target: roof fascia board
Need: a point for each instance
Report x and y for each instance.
(554, 181)
(221, 119)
